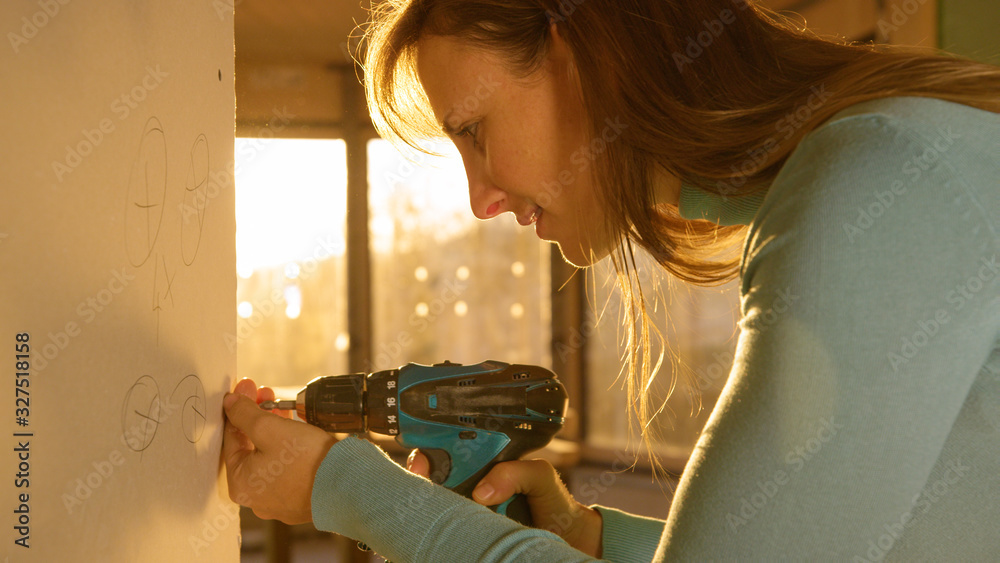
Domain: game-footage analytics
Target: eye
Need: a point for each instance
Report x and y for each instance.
(471, 131)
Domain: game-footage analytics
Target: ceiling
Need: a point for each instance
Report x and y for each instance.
(314, 31)
(318, 31)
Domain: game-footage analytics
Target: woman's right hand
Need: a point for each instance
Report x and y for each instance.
(552, 507)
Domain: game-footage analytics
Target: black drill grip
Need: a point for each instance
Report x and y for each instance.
(439, 467)
(517, 510)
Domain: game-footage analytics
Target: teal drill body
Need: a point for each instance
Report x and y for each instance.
(464, 418)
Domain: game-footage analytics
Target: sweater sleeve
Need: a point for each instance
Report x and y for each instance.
(857, 354)
(362, 494)
(627, 538)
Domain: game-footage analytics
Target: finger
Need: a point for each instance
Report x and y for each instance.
(236, 452)
(246, 387)
(534, 478)
(265, 394)
(418, 463)
(234, 441)
(245, 415)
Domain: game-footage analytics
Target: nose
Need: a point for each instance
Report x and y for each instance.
(486, 199)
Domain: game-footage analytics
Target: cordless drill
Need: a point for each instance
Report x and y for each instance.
(464, 418)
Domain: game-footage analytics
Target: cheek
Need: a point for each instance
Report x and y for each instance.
(517, 168)
(531, 142)
(594, 216)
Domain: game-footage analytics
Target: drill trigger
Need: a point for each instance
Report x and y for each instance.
(439, 464)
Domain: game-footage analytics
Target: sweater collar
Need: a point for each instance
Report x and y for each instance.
(723, 210)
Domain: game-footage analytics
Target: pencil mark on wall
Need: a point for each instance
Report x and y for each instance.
(149, 197)
(195, 201)
(141, 414)
(147, 193)
(193, 407)
(143, 411)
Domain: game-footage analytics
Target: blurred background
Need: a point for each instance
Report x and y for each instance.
(353, 257)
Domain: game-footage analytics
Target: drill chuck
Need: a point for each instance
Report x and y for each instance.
(351, 403)
(335, 404)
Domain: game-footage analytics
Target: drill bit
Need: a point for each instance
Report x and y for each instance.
(283, 405)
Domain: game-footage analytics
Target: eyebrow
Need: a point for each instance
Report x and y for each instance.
(448, 129)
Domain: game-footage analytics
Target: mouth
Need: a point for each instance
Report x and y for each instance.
(530, 219)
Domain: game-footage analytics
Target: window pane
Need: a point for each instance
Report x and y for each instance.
(290, 225)
(446, 286)
(699, 326)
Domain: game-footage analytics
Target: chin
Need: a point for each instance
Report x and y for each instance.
(581, 257)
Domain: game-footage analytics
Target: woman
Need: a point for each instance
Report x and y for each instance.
(860, 420)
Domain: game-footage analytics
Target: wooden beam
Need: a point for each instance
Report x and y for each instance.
(359, 314)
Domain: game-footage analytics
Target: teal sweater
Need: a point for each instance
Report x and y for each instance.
(861, 419)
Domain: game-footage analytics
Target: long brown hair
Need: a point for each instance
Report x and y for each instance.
(715, 92)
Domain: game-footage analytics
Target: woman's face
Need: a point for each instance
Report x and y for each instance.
(523, 141)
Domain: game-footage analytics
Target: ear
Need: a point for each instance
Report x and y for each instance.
(557, 44)
(560, 55)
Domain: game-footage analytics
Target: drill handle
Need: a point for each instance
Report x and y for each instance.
(516, 507)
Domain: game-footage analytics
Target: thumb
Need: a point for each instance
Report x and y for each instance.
(246, 416)
(533, 478)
